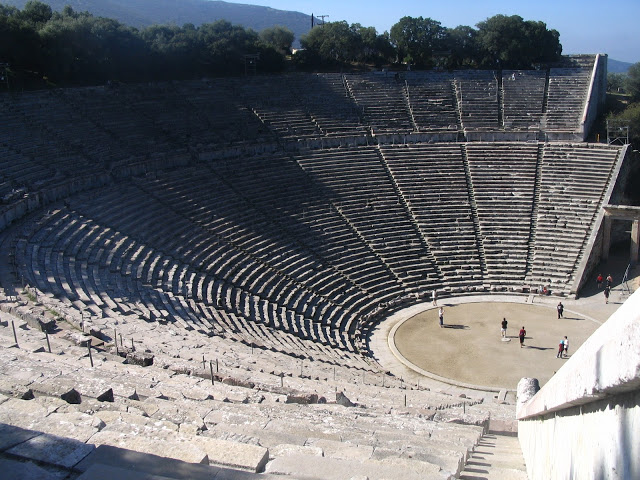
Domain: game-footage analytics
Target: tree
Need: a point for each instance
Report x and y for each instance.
(631, 117)
(36, 13)
(417, 39)
(511, 42)
(615, 82)
(462, 45)
(632, 82)
(278, 37)
(331, 43)
(371, 47)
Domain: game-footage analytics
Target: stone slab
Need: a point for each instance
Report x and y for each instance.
(10, 436)
(52, 449)
(12, 469)
(100, 471)
(343, 450)
(162, 447)
(322, 468)
(233, 454)
(151, 464)
(287, 449)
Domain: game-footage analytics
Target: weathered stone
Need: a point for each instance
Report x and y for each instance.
(79, 339)
(308, 466)
(11, 436)
(28, 470)
(106, 396)
(527, 388)
(289, 449)
(341, 399)
(140, 358)
(233, 454)
(53, 449)
(303, 398)
(162, 446)
(107, 455)
(236, 382)
(72, 396)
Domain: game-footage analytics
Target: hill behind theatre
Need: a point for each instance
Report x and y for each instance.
(142, 13)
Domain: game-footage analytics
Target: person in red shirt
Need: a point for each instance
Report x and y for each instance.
(599, 280)
(522, 334)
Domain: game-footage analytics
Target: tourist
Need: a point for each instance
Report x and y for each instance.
(560, 349)
(504, 328)
(566, 346)
(441, 316)
(522, 334)
(599, 281)
(609, 281)
(434, 297)
(607, 291)
(560, 308)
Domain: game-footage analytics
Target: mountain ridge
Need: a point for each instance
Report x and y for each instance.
(143, 13)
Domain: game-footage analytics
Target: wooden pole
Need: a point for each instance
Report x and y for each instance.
(90, 357)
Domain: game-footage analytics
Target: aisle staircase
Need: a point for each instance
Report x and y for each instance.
(496, 457)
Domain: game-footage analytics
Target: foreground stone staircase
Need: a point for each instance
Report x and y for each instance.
(496, 457)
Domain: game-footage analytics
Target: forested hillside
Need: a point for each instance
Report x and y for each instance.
(143, 13)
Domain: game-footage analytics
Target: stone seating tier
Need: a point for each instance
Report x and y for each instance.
(233, 423)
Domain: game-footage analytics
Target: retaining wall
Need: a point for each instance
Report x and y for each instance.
(585, 422)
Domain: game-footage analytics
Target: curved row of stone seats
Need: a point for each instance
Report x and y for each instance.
(358, 183)
(282, 192)
(32, 146)
(567, 94)
(573, 181)
(478, 99)
(503, 177)
(326, 99)
(249, 232)
(20, 174)
(275, 105)
(126, 406)
(523, 98)
(383, 102)
(135, 216)
(431, 179)
(432, 100)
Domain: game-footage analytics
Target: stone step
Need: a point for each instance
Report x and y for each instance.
(311, 467)
(497, 457)
(108, 462)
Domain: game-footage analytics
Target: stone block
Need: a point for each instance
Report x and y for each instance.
(11, 436)
(150, 464)
(140, 358)
(13, 469)
(47, 448)
(233, 454)
(310, 467)
(237, 382)
(341, 399)
(302, 398)
(99, 471)
(162, 446)
(287, 449)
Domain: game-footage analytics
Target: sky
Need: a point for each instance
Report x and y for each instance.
(585, 26)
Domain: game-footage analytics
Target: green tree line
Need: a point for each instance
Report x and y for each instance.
(70, 47)
(498, 42)
(74, 47)
(627, 86)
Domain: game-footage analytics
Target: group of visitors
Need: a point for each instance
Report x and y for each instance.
(607, 287)
(563, 348)
(522, 334)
